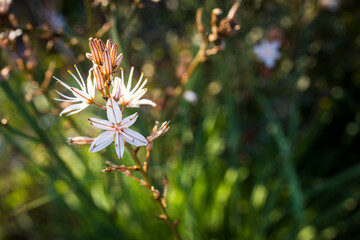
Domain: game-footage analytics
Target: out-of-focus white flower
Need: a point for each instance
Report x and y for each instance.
(268, 52)
(332, 5)
(127, 97)
(4, 6)
(83, 97)
(190, 96)
(116, 127)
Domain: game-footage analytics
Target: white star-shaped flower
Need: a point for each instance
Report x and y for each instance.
(83, 97)
(268, 52)
(127, 97)
(116, 127)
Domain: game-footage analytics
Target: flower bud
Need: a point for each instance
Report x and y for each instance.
(106, 67)
(113, 55)
(157, 132)
(81, 140)
(96, 52)
(100, 85)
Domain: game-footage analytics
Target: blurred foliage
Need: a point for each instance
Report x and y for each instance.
(261, 154)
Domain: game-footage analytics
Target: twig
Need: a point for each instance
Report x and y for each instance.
(149, 185)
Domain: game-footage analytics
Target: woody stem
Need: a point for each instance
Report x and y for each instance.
(146, 178)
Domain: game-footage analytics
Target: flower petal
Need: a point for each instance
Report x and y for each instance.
(75, 107)
(90, 84)
(102, 141)
(113, 111)
(128, 121)
(130, 79)
(144, 102)
(102, 124)
(66, 100)
(82, 83)
(138, 84)
(119, 145)
(62, 83)
(133, 137)
(83, 96)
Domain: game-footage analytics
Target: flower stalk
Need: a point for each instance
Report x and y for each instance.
(149, 185)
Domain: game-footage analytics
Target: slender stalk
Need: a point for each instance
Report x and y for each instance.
(148, 184)
(180, 89)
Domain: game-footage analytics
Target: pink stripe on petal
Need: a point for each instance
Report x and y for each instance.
(102, 124)
(83, 96)
(113, 111)
(119, 145)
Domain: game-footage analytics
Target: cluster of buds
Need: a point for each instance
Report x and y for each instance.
(106, 61)
(226, 28)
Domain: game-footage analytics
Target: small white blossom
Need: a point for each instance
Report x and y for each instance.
(83, 97)
(332, 5)
(116, 127)
(268, 52)
(190, 96)
(127, 97)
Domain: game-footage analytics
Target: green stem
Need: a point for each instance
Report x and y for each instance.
(148, 185)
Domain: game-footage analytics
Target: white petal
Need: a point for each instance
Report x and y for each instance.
(83, 96)
(82, 84)
(76, 111)
(62, 83)
(90, 84)
(66, 100)
(74, 107)
(102, 124)
(119, 145)
(116, 92)
(67, 97)
(130, 79)
(146, 102)
(133, 137)
(269, 62)
(138, 84)
(137, 95)
(122, 83)
(102, 141)
(130, 120)
(113, 111)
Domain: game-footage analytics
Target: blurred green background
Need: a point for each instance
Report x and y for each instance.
(261, 154)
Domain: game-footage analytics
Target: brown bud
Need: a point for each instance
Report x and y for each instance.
(113, 54)
(106, 67)
(100, 85)
(96, 53)
(80, 140)
(109, 44)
